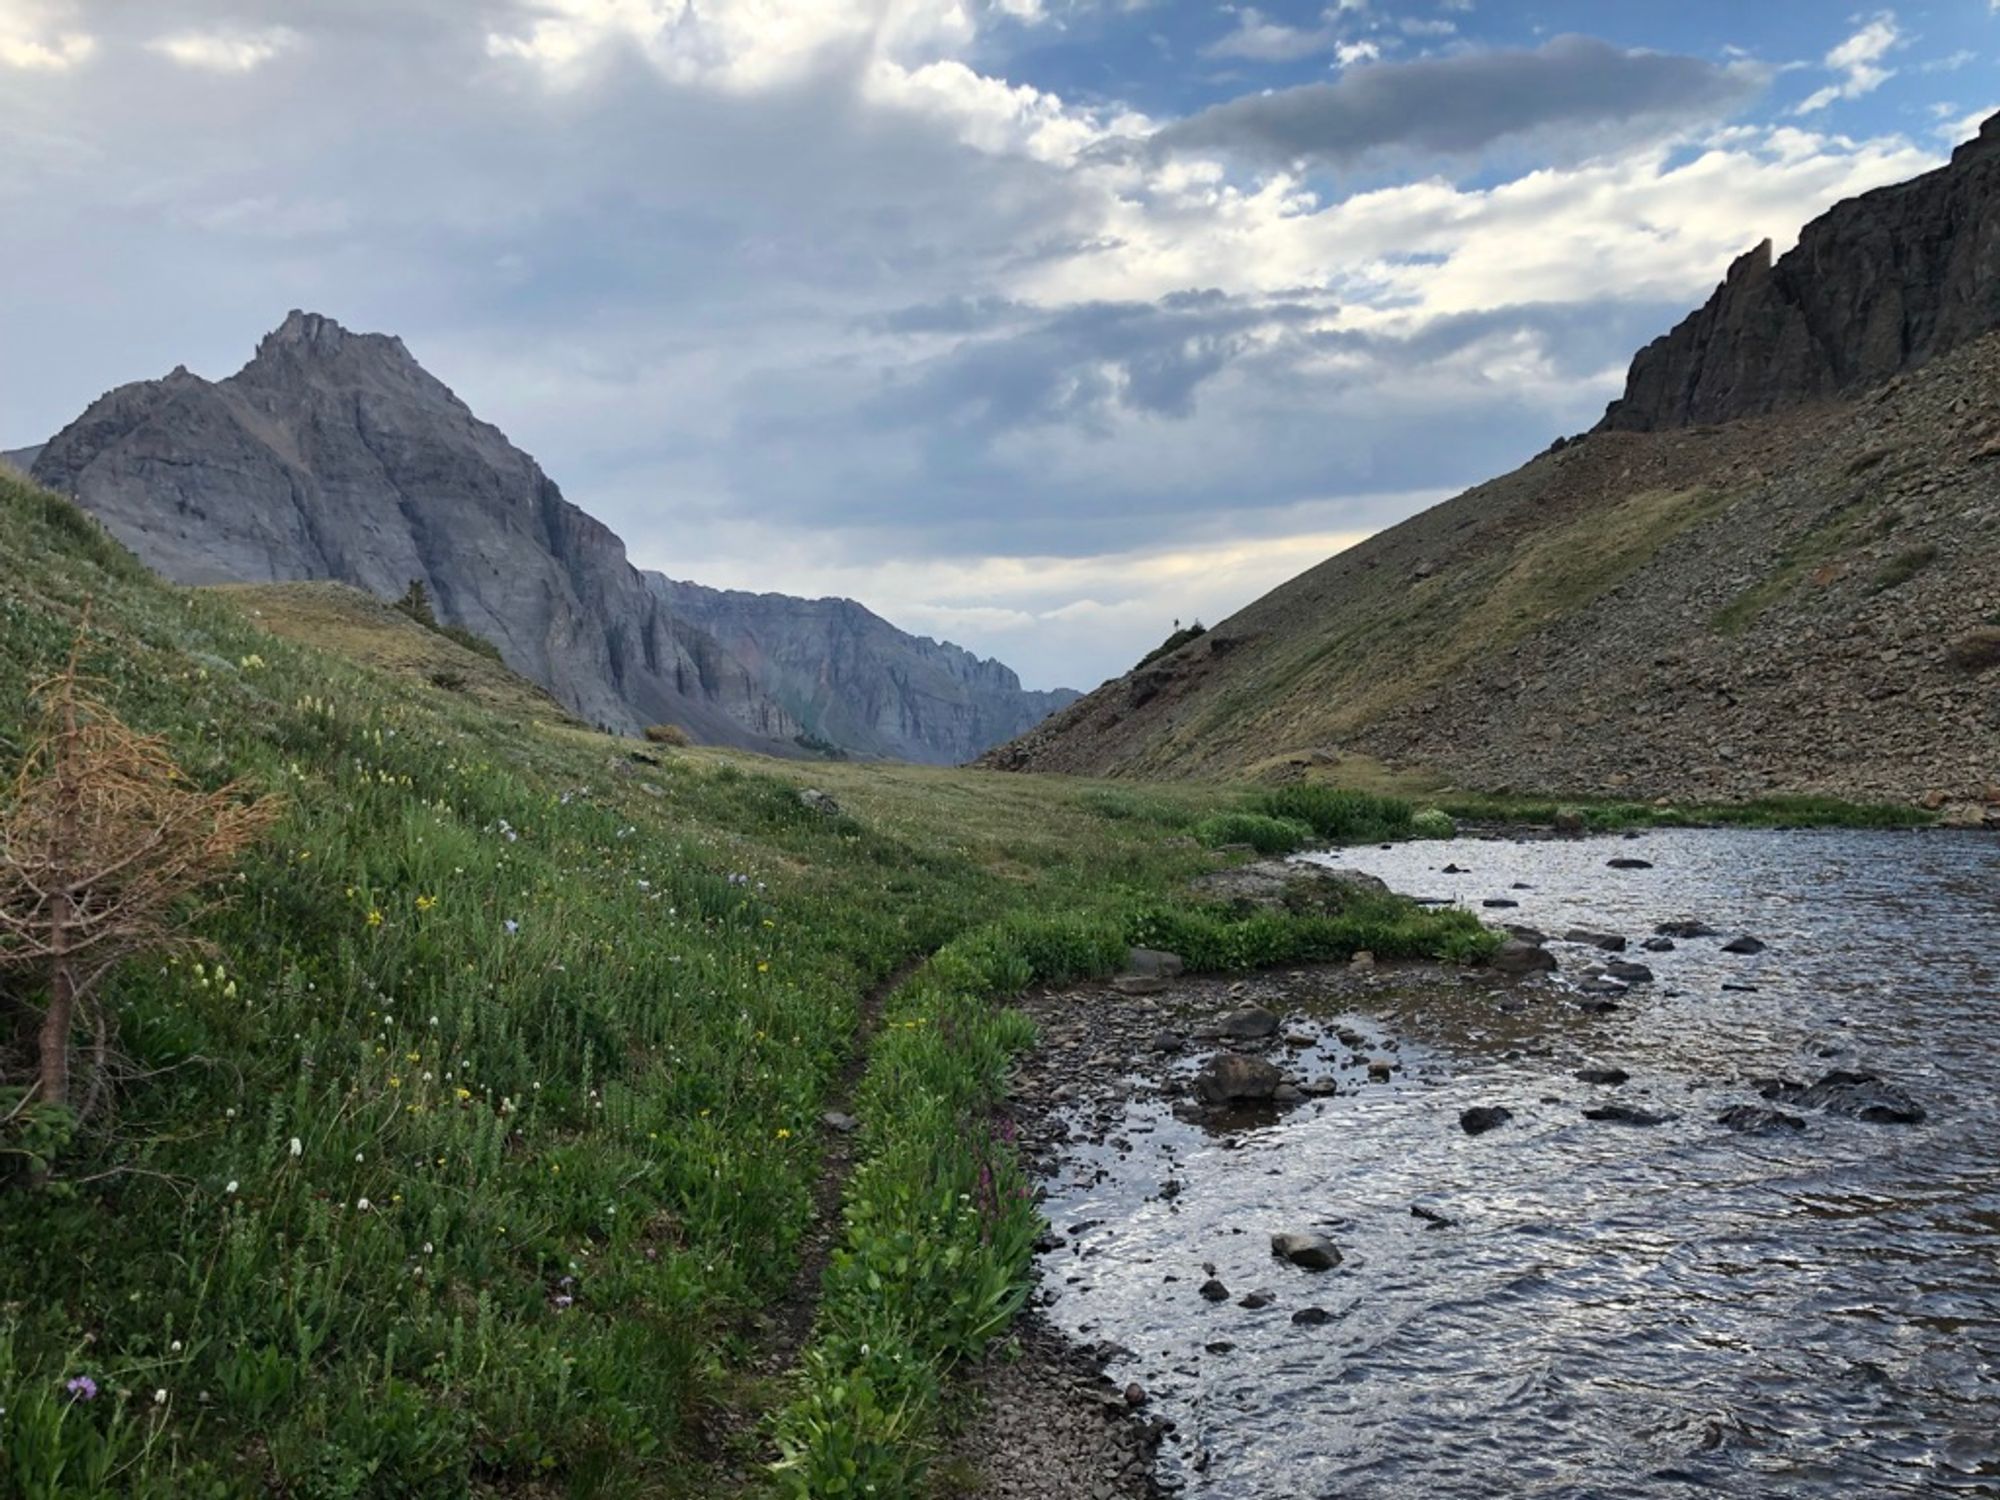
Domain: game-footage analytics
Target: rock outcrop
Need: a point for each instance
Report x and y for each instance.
(1876, 285)
(854, 680)
(20, 460)
(336, 456)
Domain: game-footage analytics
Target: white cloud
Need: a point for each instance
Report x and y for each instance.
(1859, 61)
(742, 44)
(35, 36)
(226, 50)
(1258, 38)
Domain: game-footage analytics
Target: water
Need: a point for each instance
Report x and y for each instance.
(1616, 1311)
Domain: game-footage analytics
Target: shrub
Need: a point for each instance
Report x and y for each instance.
(1337, 814)
(1433, 823)
(1173, 643)
(666, 734)
(1901, 568)
(1266, 835)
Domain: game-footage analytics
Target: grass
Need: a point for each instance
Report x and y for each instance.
(464, 1158)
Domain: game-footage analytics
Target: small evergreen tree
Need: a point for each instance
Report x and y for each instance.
(416, 603)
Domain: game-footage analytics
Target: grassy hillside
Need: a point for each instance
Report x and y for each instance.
(1776, 606)
(464, 1156)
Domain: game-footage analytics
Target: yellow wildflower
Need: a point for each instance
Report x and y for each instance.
(374, 916)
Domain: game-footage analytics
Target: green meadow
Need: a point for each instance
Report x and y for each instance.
(469, 1149)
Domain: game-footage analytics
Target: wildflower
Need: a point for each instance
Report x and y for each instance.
(512, 926)
(562, 1301)
(82, 1387)
(160, 1396)
(425, 903)
(231, 1189)
(784, 1134)
(763, 968)
(363, 1204)
(174, 1347)
(374, 916)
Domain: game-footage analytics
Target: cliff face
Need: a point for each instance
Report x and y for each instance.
(1876, 285)
(333, 455)
(854, 680)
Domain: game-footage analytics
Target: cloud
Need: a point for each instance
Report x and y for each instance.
(35, 37)
(224, 51)
(1257, 38)
(1859, 62)
(849, 302)
(1461, 105)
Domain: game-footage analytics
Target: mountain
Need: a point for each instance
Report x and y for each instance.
(854, 680)
(1800, 599)
(20, 460)
(1877, 284)
(335, 456)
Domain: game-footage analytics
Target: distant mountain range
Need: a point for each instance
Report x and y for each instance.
(1769, 569)
(335, 455)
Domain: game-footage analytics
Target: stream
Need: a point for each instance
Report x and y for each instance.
(1608, 1309)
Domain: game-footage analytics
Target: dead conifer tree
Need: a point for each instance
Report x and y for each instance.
(104, 844)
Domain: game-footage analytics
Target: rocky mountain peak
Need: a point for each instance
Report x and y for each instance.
(1877, 285)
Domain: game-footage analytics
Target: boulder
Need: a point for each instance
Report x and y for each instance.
(1861, 1096)
(1627, 862)
(1743, 944)
(1231, 1078)
(820, 802)
(1687, 928)
(1624, 1114)
(1483, 1117)
(1250, 1024)
(1515, 958)
(1287, 885)
(1753, 1119)
(1629, 973)
(1153, 963)
(1308, 1251)
(1609, 1077)
(1610, 942)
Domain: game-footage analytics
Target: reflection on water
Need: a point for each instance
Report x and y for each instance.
(1613, 1311)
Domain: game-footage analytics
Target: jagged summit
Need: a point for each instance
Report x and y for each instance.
(334, 455)
(1877, 285)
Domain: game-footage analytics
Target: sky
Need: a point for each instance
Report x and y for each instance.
(1037, 325)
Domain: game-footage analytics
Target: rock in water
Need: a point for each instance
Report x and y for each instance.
(1684, 929)
(1863, 1096)
(1610, 942)
(1250, 1024)
(1751, 1119)
(1609, 1077)
(1515, 957)
(1626, 862)
(1311, 1252)
(1624, 1114)
(1231, 1078)
(1743, 944)
(1483, 1117)
(1214, 1291)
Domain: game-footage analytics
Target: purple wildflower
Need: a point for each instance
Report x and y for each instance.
(562, 1301)
(82, 1387)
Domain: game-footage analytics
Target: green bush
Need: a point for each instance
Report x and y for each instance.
(1173, 643)
(1338, 814)
(1433, 823)
(1264, 834)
